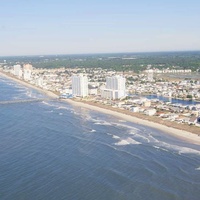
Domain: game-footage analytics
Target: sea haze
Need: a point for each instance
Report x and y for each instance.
(51, 150)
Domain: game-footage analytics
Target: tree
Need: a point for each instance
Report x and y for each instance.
(189, 96)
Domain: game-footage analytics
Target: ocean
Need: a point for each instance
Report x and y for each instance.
(54, 151)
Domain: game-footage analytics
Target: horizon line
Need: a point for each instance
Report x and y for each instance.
(138, 52)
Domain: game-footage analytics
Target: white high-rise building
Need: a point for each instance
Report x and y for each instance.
(79, 85)
(39, 81)
(27, 71)
(17, 70)
(116, 83)
(115, 87)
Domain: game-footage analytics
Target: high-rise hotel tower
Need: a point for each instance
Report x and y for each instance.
(79, 85)
(115, 87)
(27, 71)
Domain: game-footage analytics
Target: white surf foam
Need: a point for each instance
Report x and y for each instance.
(127, 142)
(126, 126)
(179, 149)
(92, 131)
(115, 137)
(46, 103)
(140, 136)
(132, 141)
(157, 147)
(120, 120)
(186, 150)
(62, 107)
(122, 143)
(103, 123)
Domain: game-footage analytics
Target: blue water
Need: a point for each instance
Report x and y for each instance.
(172, 100)
(54, 151)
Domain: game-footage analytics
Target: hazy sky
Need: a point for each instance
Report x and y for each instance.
(39, 27)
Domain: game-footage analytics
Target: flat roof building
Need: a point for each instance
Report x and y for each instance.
(79, 85)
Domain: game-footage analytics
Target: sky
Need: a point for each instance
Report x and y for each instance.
(43, 27)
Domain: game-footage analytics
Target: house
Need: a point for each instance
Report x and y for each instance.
(150, 111)
(193, 120)
(135, 109)
(147, 103)
(92, 90)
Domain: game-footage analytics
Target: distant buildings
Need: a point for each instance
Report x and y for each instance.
(79, 85)
(27, 70)
(17, 70)
(115, 88)
(172, 71)
(24, 72)
(39, 81)
(150, 75)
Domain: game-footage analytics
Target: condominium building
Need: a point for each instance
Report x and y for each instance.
(115, 87)
(27, 69)
(79, 85)
(17, 70)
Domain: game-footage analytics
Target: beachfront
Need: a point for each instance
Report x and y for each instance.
(189, 134)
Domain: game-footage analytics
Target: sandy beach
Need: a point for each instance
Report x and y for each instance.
(182, 134)
(22, 82)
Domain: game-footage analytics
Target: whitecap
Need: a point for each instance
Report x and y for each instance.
(46, 103)
(157, 147)
(120, 120)
(126, 126)
(122, 143)
(132, 141)
(198, 168)
(103, 123)
(115, 137)
(62, 107)
(180, 149)
(140, 136)
(127, 142)
(187, 150)
(92, 131)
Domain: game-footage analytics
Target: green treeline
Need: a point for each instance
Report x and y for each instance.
(120, 62)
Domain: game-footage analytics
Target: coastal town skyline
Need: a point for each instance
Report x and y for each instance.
(60, 27)
(100, 99)
(82, 115)
(124, 90)
(72, 144)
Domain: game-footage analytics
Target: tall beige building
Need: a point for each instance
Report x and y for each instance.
(27, 71)
(17, 70)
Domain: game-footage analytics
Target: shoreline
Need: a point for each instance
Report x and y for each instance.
(26, 84)
(181, 134)
(175, 132)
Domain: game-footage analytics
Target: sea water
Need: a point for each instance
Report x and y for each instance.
(53, 151)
